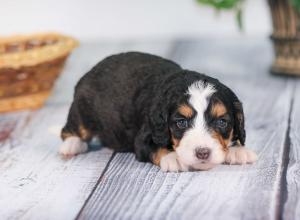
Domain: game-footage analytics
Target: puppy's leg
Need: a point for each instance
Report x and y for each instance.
(240, 155)
(168, 161)
(74, 135)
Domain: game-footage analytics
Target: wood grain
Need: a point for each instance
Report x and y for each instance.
(35, 182)
(133, 190)
(292, 203)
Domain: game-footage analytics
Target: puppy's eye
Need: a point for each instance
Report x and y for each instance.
(221, 123)
(182, 123)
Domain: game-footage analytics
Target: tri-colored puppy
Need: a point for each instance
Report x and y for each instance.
(175, 118)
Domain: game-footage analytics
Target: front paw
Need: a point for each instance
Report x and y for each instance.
(170, 163)
(72, 146)
(240, 155)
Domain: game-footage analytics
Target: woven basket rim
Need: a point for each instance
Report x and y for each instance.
(62, 47)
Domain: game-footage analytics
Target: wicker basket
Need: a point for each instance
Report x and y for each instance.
(29, 66)
(286, 37)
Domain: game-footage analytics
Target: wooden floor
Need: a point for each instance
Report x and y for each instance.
(35, 183)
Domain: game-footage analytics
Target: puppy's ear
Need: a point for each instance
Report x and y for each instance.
(239, 132)
(158, 123)
(239, 122)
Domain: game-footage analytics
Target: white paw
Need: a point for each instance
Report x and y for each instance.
(171, 163)
(203, 166)
(73, 146)
(240, 155)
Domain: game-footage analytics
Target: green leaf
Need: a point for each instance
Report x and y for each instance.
(220, 4)
(229, 5)
(296, 4)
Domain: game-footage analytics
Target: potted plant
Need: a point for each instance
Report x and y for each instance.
(286, 31)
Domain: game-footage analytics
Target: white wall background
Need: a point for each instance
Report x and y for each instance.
(129, 19)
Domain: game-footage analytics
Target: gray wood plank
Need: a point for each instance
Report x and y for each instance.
(292, 202)
(133, 190)
(35, 182)
(243, 57)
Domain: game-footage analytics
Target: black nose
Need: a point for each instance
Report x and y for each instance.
(202, 153)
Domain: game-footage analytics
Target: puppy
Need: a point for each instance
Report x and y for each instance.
(174, 118)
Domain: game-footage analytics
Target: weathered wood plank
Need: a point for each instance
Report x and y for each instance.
(133, 190)
(35, 183)
(244, 57)
(292, 200)
(8, 123)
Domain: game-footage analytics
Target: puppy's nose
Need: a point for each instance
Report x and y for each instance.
(202, 153)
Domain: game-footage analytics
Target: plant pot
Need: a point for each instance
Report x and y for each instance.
(285, 37)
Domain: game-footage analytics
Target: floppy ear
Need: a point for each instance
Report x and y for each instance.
(239, 132)
(158, 123)
(239, 122)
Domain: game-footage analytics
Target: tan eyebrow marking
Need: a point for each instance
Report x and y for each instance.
(185, 110)
(218, 109)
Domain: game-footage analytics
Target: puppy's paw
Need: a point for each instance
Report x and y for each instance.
(170, 163)
(240, 155)
(72, 146)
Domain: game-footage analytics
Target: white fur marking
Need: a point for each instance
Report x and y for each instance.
(171, 163)
(199, 136)
(73, 146)
(240, 155)
(199, 93)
